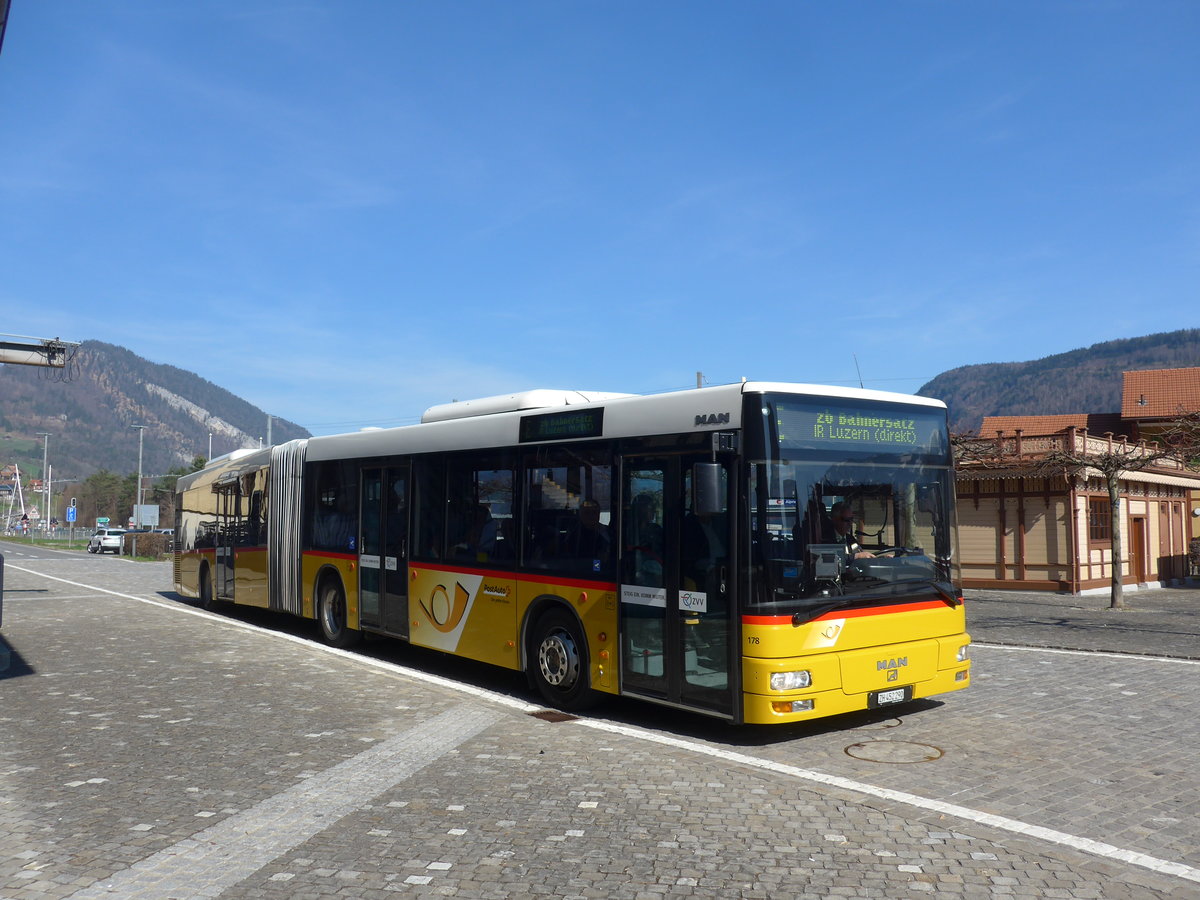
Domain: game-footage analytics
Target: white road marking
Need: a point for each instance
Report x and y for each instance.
(1086, 845)
(1004, 823)
(227, 853)
(1094, 654)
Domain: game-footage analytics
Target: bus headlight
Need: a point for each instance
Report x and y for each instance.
(790, 681)
(964, 653)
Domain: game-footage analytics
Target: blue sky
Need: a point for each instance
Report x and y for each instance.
(346, 212)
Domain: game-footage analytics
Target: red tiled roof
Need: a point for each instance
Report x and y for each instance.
(1160, 393)
(1095, 423)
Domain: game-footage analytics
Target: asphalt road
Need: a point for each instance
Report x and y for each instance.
(152, 750)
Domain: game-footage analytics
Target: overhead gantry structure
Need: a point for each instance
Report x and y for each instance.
(28, 351)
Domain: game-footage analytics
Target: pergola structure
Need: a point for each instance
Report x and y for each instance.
(1035, 510)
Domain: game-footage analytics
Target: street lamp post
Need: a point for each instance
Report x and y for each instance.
(137, 509)
(45, 481)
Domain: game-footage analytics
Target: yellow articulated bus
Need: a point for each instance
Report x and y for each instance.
(759, 552)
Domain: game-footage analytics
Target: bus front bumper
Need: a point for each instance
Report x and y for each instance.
(856, 680)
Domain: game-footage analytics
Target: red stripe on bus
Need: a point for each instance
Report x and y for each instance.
(549, 578)
(847, 613)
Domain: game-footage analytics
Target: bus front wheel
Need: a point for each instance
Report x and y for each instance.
(331, 613)
(559, 661)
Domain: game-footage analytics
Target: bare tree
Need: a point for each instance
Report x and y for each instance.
(1078, 455)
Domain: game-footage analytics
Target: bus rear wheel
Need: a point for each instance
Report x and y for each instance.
(558, 661)
(332, 614)
(206, 591)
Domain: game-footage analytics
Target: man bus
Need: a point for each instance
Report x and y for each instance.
(673, 548)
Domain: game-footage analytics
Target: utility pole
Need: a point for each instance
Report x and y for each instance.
(45, 480)
(137, 509)
(269, 418)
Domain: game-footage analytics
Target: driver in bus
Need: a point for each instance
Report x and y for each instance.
(840, 530)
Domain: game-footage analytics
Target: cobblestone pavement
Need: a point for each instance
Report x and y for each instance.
(150, 750)
(1159, 622)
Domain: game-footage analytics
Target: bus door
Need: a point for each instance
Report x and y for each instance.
(676, 586)
(383, 549)
(229, 523)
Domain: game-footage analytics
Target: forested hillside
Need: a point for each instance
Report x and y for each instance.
(89, 415)
(1087, 380)
(89, 409)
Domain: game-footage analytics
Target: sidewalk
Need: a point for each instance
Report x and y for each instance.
(1157, 622)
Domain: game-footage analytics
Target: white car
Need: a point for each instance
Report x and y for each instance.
(106, 539)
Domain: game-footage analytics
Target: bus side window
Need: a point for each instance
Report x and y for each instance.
(479, 495)
(568, 513)
(429, 505)
(335, 507)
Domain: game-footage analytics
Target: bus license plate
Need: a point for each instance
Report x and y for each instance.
(887, 698)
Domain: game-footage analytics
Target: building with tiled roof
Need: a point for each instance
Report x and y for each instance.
(1036, 530)
(1094, 423)
(1152, 397)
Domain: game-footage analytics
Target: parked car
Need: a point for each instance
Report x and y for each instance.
(106, 539)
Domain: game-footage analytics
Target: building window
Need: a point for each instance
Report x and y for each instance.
(1099, 519)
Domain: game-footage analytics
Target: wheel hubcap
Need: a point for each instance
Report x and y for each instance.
(558, 659)
(330, 611)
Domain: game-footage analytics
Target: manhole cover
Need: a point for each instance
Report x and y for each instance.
(893, 752)
(550, 715)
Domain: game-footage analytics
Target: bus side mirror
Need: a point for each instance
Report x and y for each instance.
(707, 497)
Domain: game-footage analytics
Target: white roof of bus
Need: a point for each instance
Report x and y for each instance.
(850, 393)
(229, 467)
(627, 415)
(540, 399)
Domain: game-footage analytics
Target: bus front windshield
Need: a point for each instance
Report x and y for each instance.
(850, 500)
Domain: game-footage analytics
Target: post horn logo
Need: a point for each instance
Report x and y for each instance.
(444, 614)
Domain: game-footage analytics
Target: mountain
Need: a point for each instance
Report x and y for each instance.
(1078, 381)
(89, 407)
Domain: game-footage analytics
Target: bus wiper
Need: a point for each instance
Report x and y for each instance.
(816, 612)
(947, 591)
(944, 589)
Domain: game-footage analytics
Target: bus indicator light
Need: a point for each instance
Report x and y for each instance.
(792, 706)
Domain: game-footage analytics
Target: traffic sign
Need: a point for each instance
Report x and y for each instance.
(70, 514)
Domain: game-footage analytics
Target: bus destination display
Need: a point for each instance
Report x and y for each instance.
(847, 428)
(563, 426)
